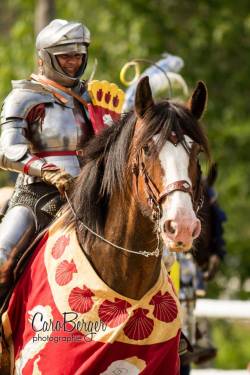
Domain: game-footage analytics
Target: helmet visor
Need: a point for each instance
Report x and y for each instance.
(68, 48)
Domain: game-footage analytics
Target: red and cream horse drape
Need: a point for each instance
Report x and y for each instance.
(63, 319)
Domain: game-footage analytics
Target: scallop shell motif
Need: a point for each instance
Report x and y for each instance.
(165, 308)
(113, 313)
(80, 299)
(139, 326)
(59, 246)
(64, 272)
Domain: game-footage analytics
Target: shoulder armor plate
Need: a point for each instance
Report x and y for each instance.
(24, 96)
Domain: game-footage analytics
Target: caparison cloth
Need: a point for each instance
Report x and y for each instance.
(63, 319)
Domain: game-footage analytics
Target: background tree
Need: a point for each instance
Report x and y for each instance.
(44, 13)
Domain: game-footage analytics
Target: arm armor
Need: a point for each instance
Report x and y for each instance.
(14, 152)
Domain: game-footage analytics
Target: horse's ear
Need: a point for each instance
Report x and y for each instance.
(143, 97)
(198, 101)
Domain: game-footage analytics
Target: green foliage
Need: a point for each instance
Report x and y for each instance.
(231, 142)
(234, 352)
(16, 42)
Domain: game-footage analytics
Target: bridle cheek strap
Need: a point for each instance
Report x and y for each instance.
(154, 196)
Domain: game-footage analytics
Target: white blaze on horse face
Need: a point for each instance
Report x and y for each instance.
(179, 223)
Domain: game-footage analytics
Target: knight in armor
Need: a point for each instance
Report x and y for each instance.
(44, 127)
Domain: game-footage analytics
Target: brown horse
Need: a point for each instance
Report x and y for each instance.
(101, 260)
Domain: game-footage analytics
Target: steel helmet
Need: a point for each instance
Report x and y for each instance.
(62, 37)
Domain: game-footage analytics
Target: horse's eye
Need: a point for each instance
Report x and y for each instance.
(146, 150)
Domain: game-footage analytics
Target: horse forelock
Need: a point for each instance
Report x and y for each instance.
(106, 156)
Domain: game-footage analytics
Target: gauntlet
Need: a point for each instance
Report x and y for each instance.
(57, 177)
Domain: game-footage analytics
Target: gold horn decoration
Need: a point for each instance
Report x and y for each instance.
(130, 64)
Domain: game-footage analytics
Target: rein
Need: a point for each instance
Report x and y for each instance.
(157, 252)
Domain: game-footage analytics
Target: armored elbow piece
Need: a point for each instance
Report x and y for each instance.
(14, 144)
(14, 152)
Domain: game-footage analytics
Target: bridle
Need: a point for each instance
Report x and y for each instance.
(154, 199)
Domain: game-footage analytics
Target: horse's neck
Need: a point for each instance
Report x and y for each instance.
(128, 274)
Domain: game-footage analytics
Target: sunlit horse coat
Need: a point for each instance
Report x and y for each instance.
(63, 319)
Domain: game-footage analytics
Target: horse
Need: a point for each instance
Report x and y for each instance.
(95, 297)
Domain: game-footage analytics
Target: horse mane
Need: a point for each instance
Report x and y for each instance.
(105, 158)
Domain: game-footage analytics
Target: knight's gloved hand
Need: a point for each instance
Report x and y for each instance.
(213, 266)
(57, 177)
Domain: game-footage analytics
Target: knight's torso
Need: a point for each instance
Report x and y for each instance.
(57, 126)
(60, 133)
(62, 129)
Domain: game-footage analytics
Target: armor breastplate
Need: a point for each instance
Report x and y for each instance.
(62, 129)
